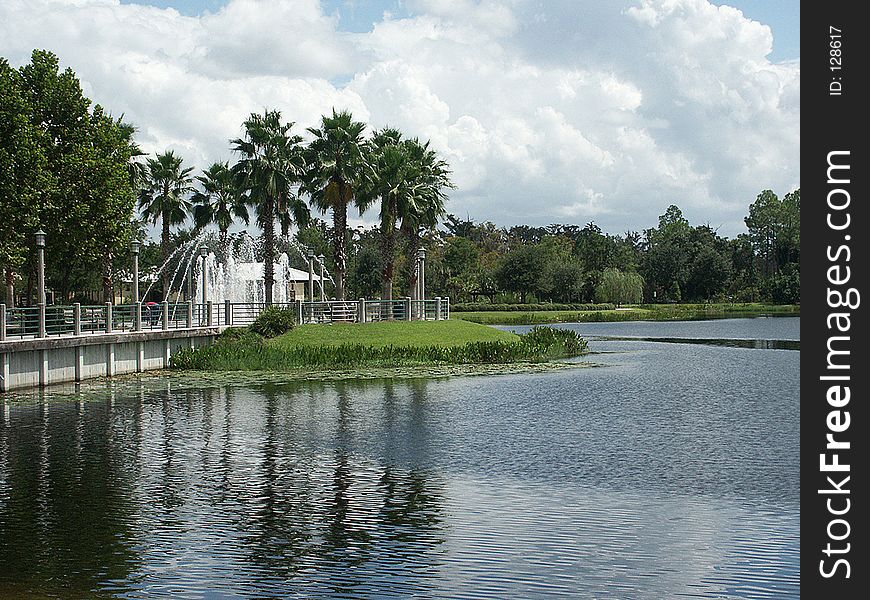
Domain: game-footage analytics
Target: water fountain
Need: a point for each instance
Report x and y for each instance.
(233, 273)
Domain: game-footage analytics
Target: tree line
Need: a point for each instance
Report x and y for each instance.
(77, 172)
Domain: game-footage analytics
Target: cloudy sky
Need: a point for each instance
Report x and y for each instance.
(547, 110)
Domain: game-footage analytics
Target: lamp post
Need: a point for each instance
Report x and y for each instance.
(320, 259)
(203, 252)
(134, 248)
(421, 273)
(311, 258)
(40, 253)
(137, 307)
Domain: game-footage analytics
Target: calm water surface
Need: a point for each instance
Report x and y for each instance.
(670, 471)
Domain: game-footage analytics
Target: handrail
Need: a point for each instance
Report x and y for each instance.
(80, 320)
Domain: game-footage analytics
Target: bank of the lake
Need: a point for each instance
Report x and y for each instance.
(642, 312)
(316, 350)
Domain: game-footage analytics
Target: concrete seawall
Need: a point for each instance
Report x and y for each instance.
(44, 361)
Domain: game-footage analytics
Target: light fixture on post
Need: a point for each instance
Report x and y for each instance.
(421, 273)
(40, 253)
(134, 248)
(320, 259)
(203, 252)
(311, 258)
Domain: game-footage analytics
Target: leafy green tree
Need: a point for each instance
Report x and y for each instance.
(24, 176)
(164, 199)
(619, 287)
(569, 278)
(667, 259)
(764, 225)
(336, 171)
(85, 200)
(270, 169)
(219, 201)
(789, 240)
(364, 266)
(524, 270)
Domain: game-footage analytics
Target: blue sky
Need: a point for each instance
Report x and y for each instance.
(548, 111)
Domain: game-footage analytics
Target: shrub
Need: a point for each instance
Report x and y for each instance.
(550, 340)
(273, 322)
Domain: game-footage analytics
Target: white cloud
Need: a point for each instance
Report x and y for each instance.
(546, 111)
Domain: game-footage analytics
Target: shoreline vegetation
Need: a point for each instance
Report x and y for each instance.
(536, 314)
(383, 348)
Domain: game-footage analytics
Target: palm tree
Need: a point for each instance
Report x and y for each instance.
(163, 197)
(393, 177)
(270, 167)
(337, 172)
(220, 201)
(426, 205)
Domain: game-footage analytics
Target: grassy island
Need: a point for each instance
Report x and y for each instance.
(386, 345)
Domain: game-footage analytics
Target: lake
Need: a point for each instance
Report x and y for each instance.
(668, 470)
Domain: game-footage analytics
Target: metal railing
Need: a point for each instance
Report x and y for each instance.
(77, 320)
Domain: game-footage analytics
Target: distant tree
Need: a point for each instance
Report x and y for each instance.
(164, 199)
(364, 268)
(568, 281)
(764, 225)
(619, 287)
(526, 270)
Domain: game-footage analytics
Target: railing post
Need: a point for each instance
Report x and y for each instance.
(77, 318)
(447, 299)
(137, 320)
(164, 315)
(108, 317)
(228, 313)
(209, 318)
(189, 313)
(437, 308)
(2, 322)
(361, 310)
(41, 331)
(299, 311)
(407, 308)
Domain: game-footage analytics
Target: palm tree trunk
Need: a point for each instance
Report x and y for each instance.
(268, 250)
(10, 288)
(164, 246)
(388, 252)
(339, 223)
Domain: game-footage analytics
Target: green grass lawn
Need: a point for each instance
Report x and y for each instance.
(652, 312)
(540, 317)
(393, 333)
(394, 344)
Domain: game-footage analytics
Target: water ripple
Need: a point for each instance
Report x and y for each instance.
(654, 477)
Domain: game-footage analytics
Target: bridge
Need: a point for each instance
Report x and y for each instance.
(48, 344)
